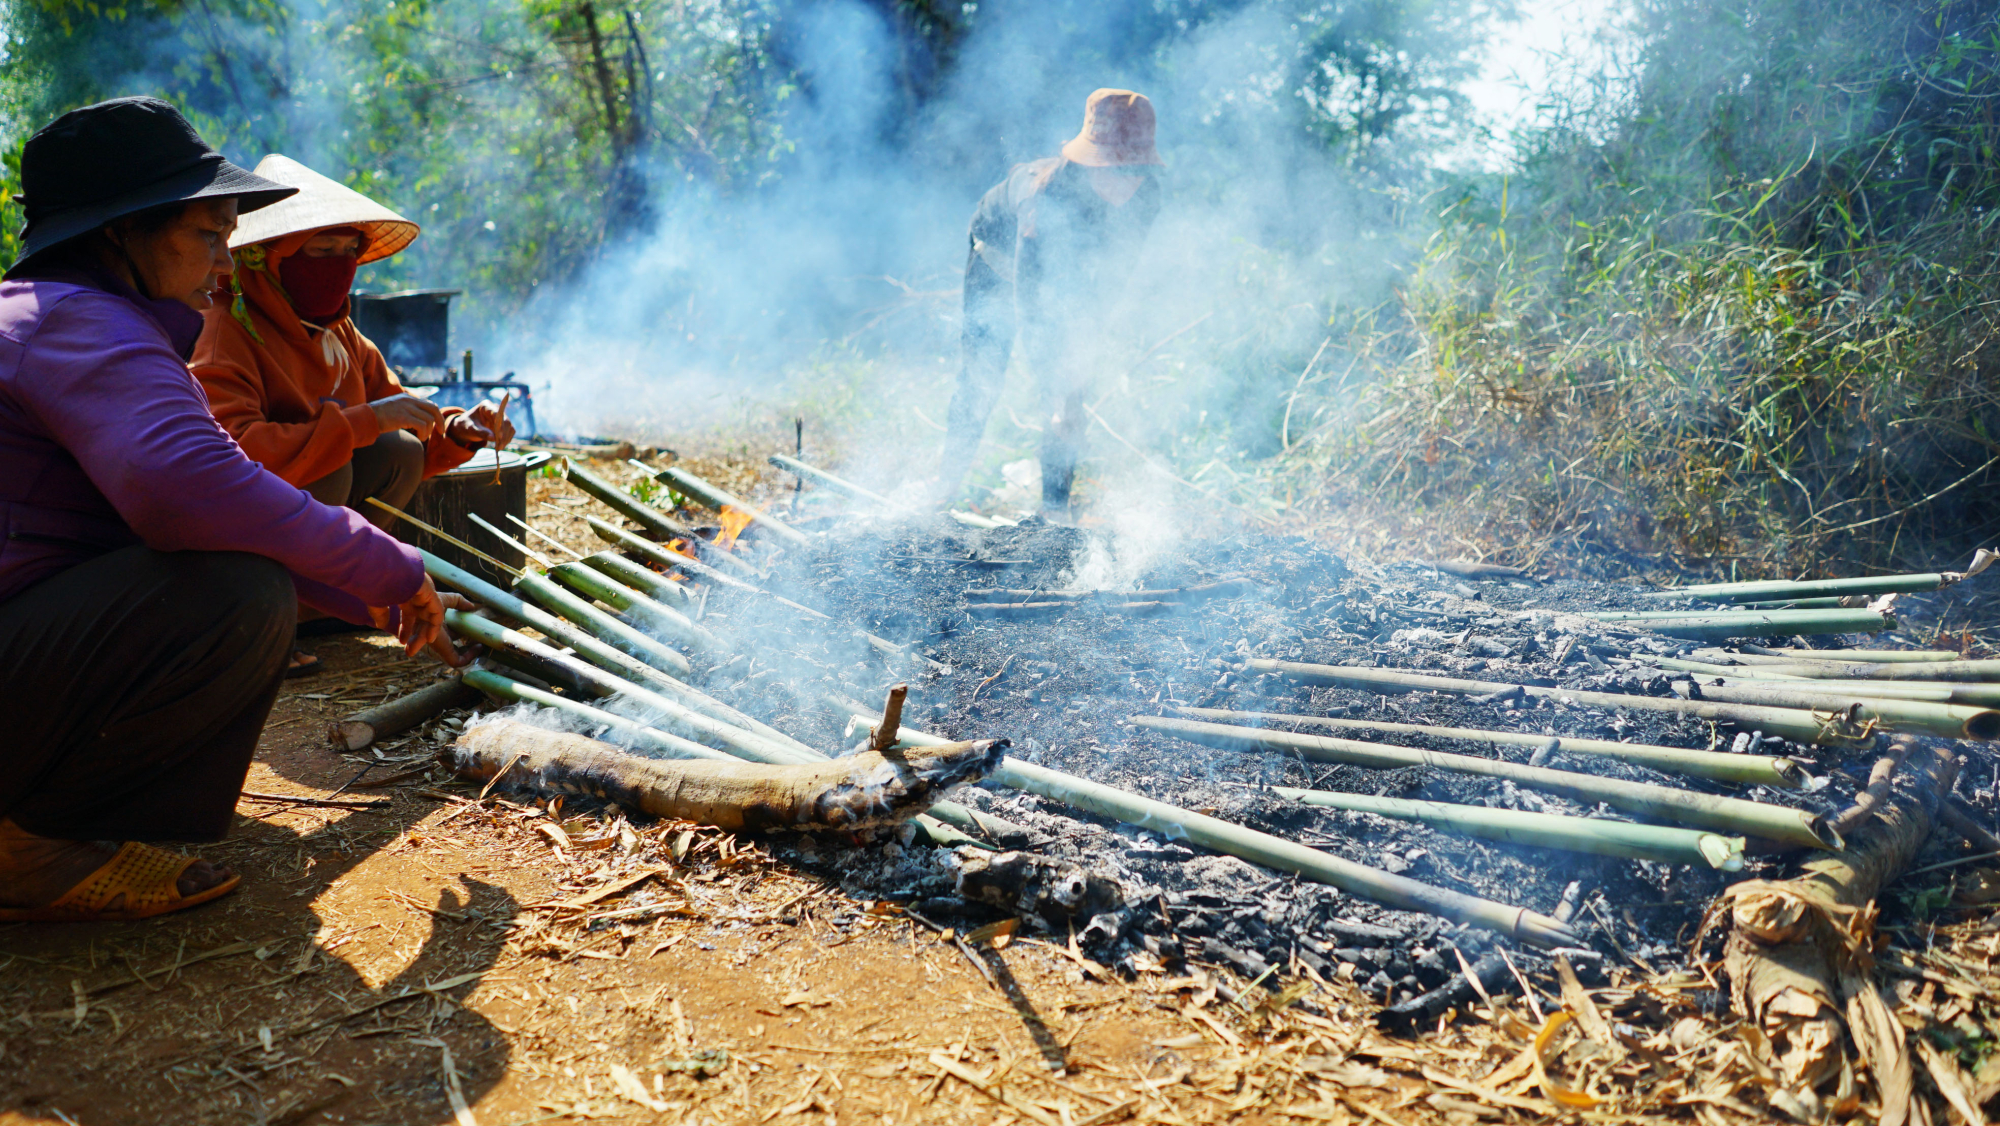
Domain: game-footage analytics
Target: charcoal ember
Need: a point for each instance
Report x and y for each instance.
(1026, 884)
(1406, 1016)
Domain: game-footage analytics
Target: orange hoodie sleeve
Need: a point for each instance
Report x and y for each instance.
(240, 377)
(440, 453)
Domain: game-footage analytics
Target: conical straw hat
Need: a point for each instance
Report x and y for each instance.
(321, 203)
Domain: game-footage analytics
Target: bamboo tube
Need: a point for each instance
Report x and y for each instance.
(818, 476)
(401, 714)
(667, 557)
(1724, 624)
(1260, 848)
(642, 610)
(1706, 668)
(633, 641)
(645, 515)
(673, 746)
(1798, 726)
(1708, 811)
(737, 734)
(637, 577)
(1780, 588)
(720, 498)
(1750, 770)
(1544, 830)
(1795, 604)
(1879, 656)
(1982, 695)
(1948, 721)
(609, 658)
(1890, 670)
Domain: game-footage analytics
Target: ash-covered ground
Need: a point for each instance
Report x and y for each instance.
(1063, 689)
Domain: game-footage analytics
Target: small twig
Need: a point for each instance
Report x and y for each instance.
(288, 800)
(996, 676)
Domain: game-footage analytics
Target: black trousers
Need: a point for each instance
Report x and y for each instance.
(986, 343)
(390, 468)
(134, 687)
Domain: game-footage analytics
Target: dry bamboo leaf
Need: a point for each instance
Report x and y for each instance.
(628, 1085)
(1579, 1100)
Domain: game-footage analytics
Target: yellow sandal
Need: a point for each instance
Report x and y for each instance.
(145, 876)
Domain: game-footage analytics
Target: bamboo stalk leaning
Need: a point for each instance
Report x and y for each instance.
(1721, 766)
(719, 498)
(1707, 811)
(1796, 725)
(1174, 823)
(1543, 830)
(1815, 588)
(645, 515)
(656, 586)
(1948, 721)
(640, 609)
(663, 555)
(636, 642)
(819, 476)
(1706, 668)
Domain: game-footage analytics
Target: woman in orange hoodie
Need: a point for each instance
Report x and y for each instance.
(297, 385)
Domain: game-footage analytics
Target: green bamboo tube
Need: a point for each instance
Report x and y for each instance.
(1981, 695)
(1708, 811)
(1798, 726)
(1677, 665)
(819, 476)
(606, 657)
(1749, 770)
(1174, 823)
(640, 609)
(610, 629)
(645, 515)
(513, 691)
(1889, 670)
(731, 738)
(1866, 656)
(1794, 604)
(667, 557)
(661, 554)
(719, 498)
(1947, 721)
(1723, 624)
(638, 578)
(1543, 830)
(1780, 588)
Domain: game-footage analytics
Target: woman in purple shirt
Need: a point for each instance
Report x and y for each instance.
(149, 571)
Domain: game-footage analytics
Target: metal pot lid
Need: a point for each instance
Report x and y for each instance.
(488, 459)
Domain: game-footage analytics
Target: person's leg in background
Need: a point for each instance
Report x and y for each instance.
(136, 686)
(391, 468)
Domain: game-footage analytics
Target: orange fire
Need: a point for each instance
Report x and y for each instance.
(734, 520)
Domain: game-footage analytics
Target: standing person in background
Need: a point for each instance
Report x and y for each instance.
(1051, 248)
(149, 571)
(296, 384)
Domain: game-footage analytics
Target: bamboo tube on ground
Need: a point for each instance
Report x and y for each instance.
(1677, 665)
(1888, 670)
(719, 498)
(1949, 721)
(401, 714)
(637, 577)
(866, 791)
(1876, 656)
(1815, 588)
(1796, 953)
(1796, 604)
(1750, 770)
(1983, 695)
(639, 644)
(1260, 848)
(1798, 726)
(1725, 624)
(818, 476)
(1543, 830)
(645, 515)
(642, 610)
(1708, 811)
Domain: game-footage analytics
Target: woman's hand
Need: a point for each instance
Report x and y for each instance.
(419, 624)
(485, 422)
(407, 412)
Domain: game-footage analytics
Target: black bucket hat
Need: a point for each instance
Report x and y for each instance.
(94, 164)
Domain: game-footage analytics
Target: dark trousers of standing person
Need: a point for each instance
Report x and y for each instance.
(135, 686)
(390, 468)
(986, 344)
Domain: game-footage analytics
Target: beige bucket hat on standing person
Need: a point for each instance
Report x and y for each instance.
(321, 203)
(1117, 130)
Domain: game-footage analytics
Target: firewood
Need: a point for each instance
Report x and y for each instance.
(1799, 953)
(868, 790)
(401, 714)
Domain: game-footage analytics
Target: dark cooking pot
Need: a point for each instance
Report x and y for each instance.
(493, 484)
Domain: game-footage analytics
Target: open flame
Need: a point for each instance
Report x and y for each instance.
(734, 520)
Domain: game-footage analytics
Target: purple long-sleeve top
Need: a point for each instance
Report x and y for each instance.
(106, 441)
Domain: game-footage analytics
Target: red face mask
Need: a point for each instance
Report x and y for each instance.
(317, 286)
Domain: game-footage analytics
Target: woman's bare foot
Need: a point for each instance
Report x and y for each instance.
(39, 870)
